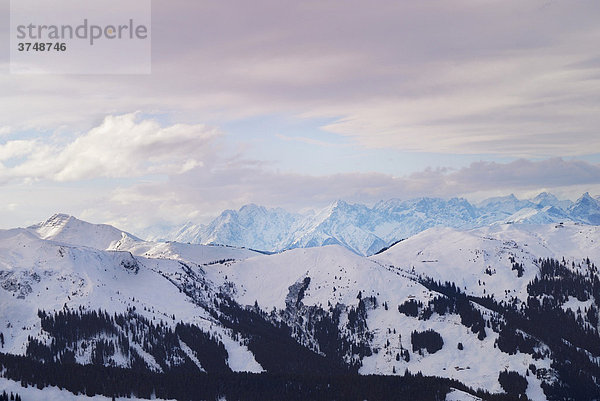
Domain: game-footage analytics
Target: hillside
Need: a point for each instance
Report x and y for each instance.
(454, 305)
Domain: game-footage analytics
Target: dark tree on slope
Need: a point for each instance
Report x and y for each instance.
(429, 339)
(410, 308)
(512, 382)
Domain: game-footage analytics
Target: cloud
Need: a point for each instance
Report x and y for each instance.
(310, 141)
(503, 79)
(122, 146)
(203, 192)
(136, 172)
(14, 149)
(507, 78)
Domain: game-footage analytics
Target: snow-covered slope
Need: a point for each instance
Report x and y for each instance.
(337, 275)
(479, 260)
(336, 303)
(543, 215)
(54, 393)
(196, 253)
(68, 229)
(38, 274)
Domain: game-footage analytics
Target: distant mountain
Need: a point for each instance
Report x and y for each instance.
(501, 208)
(339, 224)
(365, 230)
(586, 209)
(543, 215)
(252, 226)
(401, 219)
(547, 199)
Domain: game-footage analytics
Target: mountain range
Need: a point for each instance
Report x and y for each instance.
(366, 230)
(504, 311)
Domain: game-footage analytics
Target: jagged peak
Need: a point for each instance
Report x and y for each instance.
(586, 200)
(500, 199)
(544, 195)
(57, 218)
(251, 206)
(339, 203)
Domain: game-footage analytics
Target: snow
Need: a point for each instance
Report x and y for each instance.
(191, 354)
(199, 254)
(463, 256)
(477, 365)
(458, 395)
(240, 357)
(365, 230)
(70, 230)
(53, 393)
(266, 280)
(50, 266)
(44, 274)
(574, 304)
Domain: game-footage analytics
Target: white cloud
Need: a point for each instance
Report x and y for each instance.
(14, 149)
(508, 78)
(176, 173)
(121, 146)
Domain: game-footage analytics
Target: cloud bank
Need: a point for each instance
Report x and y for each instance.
(173, 173)
(505, 78)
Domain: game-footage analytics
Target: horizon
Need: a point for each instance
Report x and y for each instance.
(144, 232)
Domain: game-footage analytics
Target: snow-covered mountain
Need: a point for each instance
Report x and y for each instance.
(366, 230)
(500, 208)
(547, 199)
(586, 209)
(70, 230)
(240, 228)
(536, 215)
(43, 274)
(460, 304)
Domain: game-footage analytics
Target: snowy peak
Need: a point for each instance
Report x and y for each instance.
(251, 226)
(547, 199)
(68, 229)
(586, 209)
(365, 230)
(504, 204)
(53, 225)
(544, 215)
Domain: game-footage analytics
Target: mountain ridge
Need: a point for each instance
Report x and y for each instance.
(365, 230)
(326, 303)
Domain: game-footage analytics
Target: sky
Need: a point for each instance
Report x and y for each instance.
(295, 104)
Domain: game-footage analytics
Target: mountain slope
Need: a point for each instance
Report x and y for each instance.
(68, 229)
(37, 274)
(464, 305)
